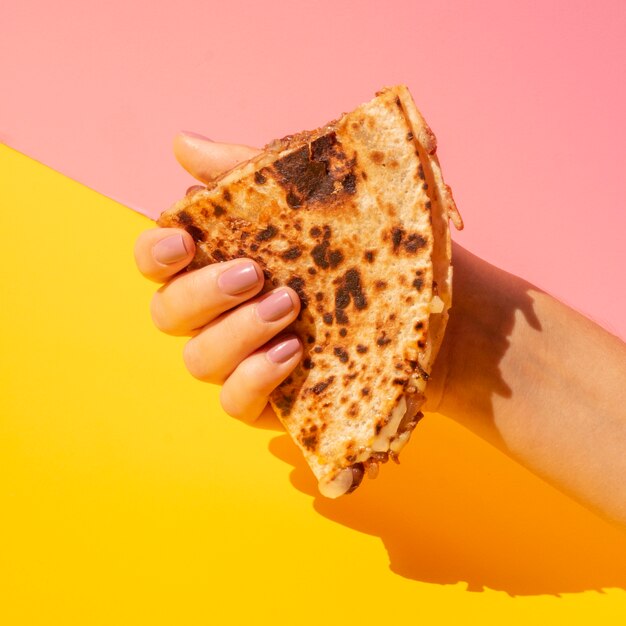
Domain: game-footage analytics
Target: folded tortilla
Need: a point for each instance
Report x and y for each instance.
(354, 216)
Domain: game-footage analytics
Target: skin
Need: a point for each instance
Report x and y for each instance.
(520, 369)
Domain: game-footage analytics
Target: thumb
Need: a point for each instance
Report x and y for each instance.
(205, 159)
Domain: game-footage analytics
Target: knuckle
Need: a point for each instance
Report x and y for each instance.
(161, 316)
(200, 365)
(233, 408)
(230, 408)
(140, 252)
(192, 285)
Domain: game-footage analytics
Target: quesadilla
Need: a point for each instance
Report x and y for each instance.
(354, 217)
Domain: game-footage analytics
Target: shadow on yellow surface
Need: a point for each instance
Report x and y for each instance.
(457, 510)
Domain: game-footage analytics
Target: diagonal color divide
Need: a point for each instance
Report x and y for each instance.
(526, 99)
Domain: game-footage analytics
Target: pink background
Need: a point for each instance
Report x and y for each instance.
(526, 99)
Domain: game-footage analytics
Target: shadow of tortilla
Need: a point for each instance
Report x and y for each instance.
(480, 519)
(459, 510)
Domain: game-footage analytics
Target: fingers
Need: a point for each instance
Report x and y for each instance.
(205, 159)
(246, 391)
(194, 299)
(162, 252)
(216, 351)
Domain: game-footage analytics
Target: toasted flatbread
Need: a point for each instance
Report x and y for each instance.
(354, 217)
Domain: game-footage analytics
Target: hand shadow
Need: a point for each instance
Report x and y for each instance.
(481, 519)
(458, 510)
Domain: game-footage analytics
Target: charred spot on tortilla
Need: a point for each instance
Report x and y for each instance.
(184, 218)
(324, 257)
(291, 253)
(305, 173)
(310, 437)
(284, 403)
(259, 179)
(341, 353)
(414, 242)
(219, 256)
(361, 349)
(196, 232)
(342, 298)
(335, 258)
(396, 237)
(322, 385)
(297, 284)
(377, 156)
(383, 340)
(353, 284)
(267, 233)
(341, 317)
(349, 183)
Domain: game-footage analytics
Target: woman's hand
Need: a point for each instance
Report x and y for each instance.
(235, 340)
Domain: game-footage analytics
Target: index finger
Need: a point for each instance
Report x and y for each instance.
(162, 252)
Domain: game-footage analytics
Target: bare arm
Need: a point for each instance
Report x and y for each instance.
(538, 380)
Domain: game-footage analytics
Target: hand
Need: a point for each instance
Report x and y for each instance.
(233, 330)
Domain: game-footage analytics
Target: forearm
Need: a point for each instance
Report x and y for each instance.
(538, 380)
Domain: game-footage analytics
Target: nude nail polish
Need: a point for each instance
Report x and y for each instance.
(283, 351)
(238, 279)
(170, 250)
(275, 306)
(190, 133)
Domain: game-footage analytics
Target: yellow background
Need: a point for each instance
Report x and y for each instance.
(128, 497)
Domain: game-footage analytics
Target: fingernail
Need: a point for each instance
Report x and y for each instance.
(193, 189)
(275, 306)
(284, 350)
(170, 250)
(190, 133)
(238, 279)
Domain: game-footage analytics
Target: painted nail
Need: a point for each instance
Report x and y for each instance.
(194, 188)
(170, 250)
(238, 279)
(190, 133)
(275, 306)
(284, 350)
